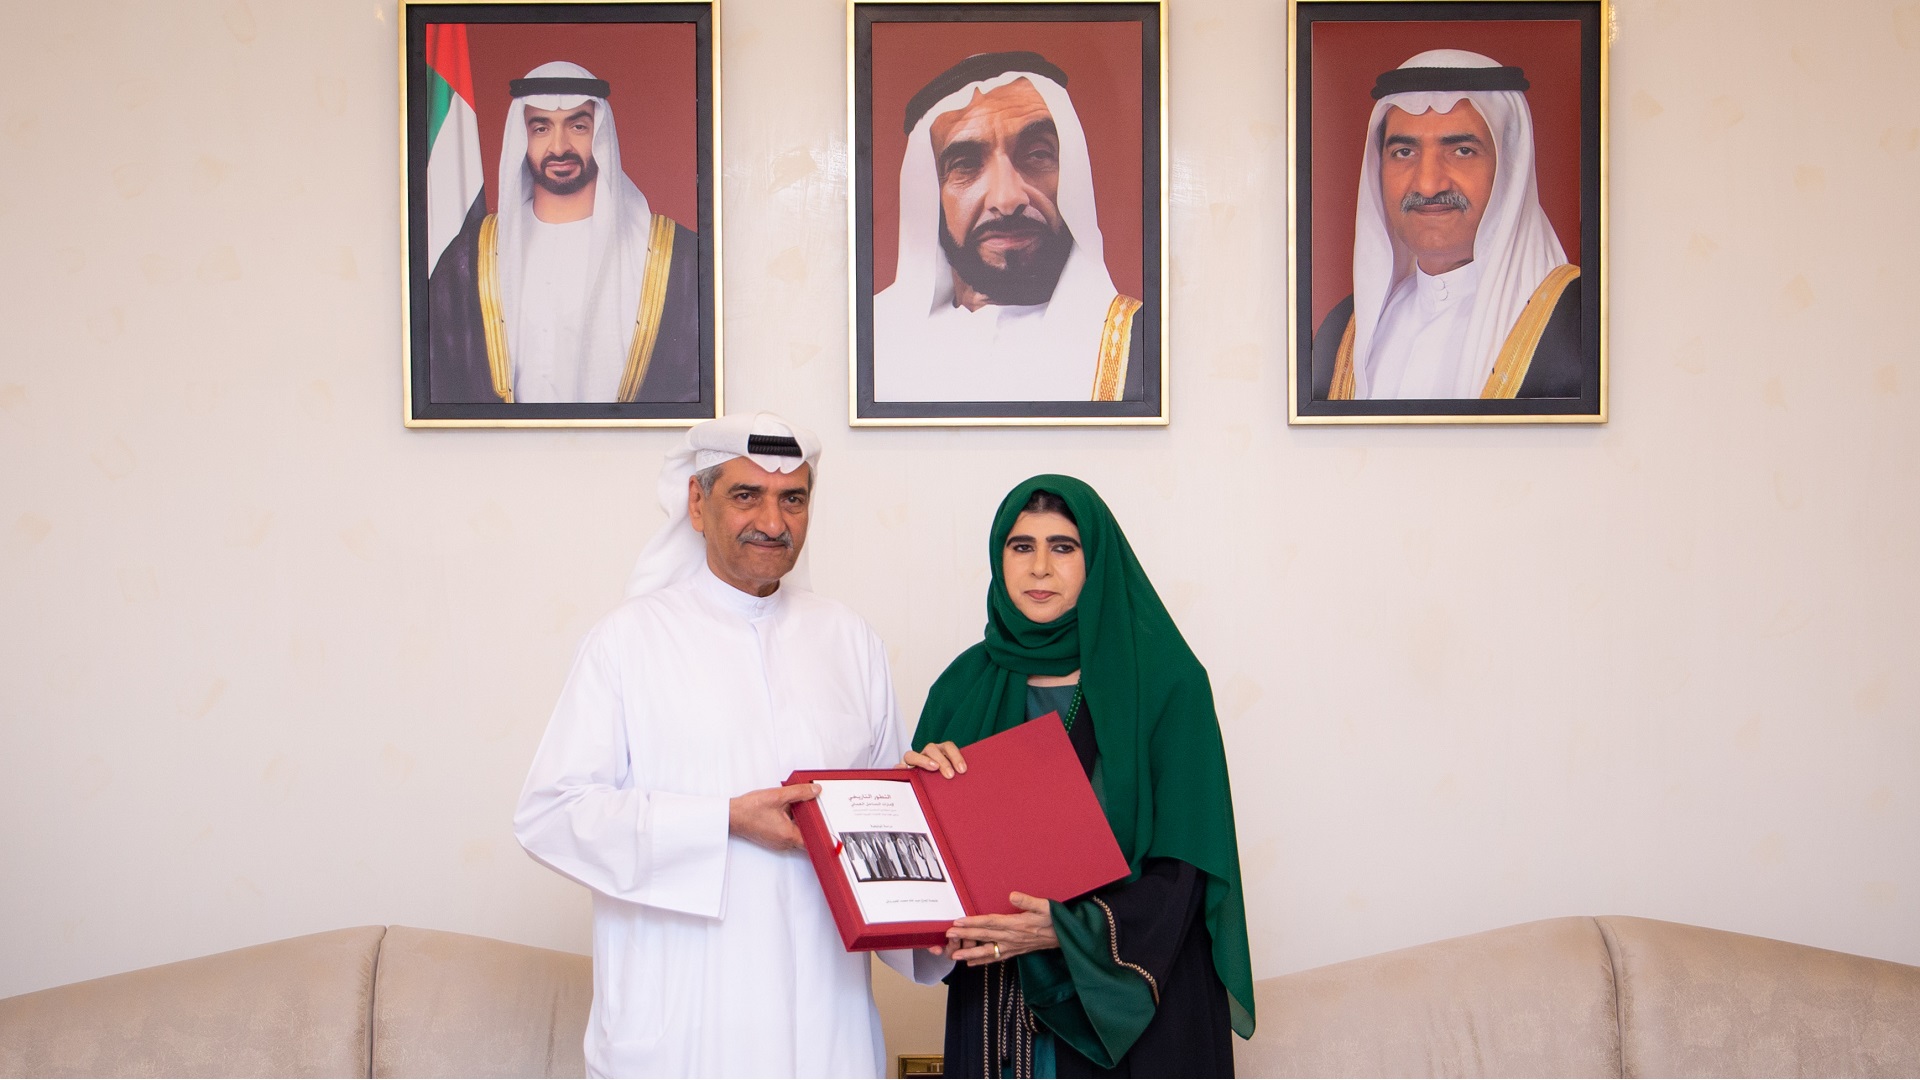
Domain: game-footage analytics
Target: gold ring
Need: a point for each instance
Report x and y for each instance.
(996, 950)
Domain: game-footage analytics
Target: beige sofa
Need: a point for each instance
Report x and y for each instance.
(1565, 997)
(370, 1001)
(1607, 996)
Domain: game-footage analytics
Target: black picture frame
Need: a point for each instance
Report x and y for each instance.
(963, 28)
(1331, 39)
(691, 298)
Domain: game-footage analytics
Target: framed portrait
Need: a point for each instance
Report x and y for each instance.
(1009, 215)
(1447, 198)
(561, 230)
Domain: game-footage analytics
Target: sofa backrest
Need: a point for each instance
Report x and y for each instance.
(1610, 996)
(299, 1007)
(1699, 1002)
(1528, 1000)
(1537, 999)
(455, 1005)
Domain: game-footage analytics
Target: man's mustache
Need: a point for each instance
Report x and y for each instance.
(1449, 198)
(755, 536)
(1023, 223)
(557, 159)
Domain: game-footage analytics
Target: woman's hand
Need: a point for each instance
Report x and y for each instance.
(983, 939)
(941, 757)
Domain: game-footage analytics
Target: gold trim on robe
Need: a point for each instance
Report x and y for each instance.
(646, 320)
(1116, 339)
(1341, 389)
(492, 322)
(1516, 353)
(653, 300)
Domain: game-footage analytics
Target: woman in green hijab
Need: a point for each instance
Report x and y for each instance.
(1145, 977)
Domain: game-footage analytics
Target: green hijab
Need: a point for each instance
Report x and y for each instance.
(1163, 764)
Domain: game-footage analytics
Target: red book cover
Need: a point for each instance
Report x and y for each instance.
(1021, 818)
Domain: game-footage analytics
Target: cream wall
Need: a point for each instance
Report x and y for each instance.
(271, 663)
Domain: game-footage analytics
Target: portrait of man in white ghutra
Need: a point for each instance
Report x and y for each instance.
(1449, 205)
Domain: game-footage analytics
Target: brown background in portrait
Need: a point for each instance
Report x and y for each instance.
(1349, 56)
(649, 68)
(1102, 62)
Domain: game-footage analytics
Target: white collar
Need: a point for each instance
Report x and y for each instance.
(995, 312)
(744, 604)
(1436, 292)
(550, 227)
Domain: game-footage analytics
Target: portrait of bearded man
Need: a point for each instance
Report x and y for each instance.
(576, 290)
(1002, 291)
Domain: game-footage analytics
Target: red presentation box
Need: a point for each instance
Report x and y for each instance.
(1022, 818)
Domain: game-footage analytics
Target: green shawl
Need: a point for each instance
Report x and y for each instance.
(1163, 766)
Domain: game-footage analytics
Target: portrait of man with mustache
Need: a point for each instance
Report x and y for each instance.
(1002, 292)
(1461, 288)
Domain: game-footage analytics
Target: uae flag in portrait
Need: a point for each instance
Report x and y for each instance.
(456, 206)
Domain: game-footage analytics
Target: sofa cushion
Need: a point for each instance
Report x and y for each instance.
(1528, 1000)
(1699, 1002)
(455, 1005)
(298, 1007)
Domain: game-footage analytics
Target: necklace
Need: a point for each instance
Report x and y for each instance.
(1073, 710)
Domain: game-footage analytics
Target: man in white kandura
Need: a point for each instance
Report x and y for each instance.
(1001, 291)
(1461, 288)
(657, 783)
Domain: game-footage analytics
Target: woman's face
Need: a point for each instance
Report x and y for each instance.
(1044, 566)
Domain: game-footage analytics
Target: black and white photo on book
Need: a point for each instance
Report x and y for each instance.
(887, 851)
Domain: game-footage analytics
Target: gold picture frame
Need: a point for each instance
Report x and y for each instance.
(1537, 354)
(897, 53)
(467, 70)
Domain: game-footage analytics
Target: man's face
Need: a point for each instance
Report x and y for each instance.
(1436, 174)
(560, 148)
(754, 522)
(999, 166)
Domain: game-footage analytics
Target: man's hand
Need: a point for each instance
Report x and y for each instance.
(942, 757)
(762, 816)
